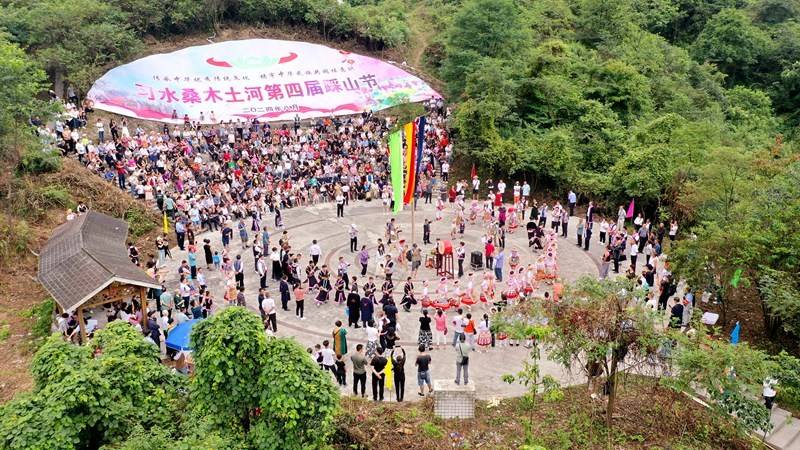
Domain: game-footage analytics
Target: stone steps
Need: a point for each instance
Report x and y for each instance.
(785, 434)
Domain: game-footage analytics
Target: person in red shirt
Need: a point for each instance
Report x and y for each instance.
(121, 173)
(498, 199)
(489, 249)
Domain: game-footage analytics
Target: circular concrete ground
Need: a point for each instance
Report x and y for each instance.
(319, 222)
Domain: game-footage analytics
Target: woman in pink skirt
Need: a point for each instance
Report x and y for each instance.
(484, 333)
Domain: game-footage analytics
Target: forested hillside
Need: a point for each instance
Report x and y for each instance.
(687, 107)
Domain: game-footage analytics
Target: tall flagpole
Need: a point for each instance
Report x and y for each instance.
(420, 140)
(413, 221)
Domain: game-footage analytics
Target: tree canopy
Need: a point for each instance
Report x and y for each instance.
(248, 392)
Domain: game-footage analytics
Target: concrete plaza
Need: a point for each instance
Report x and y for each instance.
(319, 222)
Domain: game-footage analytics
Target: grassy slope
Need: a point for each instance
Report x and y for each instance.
(19, 290)
(648, 417)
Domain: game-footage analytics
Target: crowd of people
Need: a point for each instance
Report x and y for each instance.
(237, 179)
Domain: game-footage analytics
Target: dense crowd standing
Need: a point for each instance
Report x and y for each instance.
(236, 178)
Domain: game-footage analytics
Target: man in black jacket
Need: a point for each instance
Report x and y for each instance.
(285, 293)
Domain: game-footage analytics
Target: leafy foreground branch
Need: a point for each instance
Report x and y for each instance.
(248, 392)
(602, 328)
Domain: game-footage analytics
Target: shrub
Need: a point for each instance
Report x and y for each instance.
(33, 202)
(5, 331)
(42, 326)
(56, 196)
(432, 431)
(139, 222)
(15, 236)
(38, 162)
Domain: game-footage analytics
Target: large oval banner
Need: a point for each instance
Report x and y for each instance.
(263, 79)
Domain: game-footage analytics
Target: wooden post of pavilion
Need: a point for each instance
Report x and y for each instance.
(82, 325)
(143, 306)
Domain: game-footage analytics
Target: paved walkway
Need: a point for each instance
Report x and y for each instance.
(319, 222)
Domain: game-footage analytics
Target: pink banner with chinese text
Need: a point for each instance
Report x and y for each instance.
(264, 79)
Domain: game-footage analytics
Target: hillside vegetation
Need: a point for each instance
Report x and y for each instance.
(688, 107)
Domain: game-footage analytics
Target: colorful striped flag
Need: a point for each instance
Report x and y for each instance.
(166, 224)
(420, 144)
(409, 130)
(396, 169)
(629, 215)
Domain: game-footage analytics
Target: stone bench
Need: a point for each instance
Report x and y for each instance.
(452, 401)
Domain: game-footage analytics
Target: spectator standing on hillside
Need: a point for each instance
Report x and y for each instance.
(572, 200)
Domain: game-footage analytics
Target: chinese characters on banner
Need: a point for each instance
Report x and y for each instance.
(310, 81)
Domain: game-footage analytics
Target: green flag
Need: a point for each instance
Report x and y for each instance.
(396, 168)
(736, 277)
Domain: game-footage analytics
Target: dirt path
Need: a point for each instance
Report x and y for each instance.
(421, 35)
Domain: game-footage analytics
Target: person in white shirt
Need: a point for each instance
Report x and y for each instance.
(328, 356)
(268, 306)
(181, 317)
(315, 251)
(353, 232)
(769, 392)
(603, 230)
(346, 193)
(458, 323)
(445, 170)
(501, 187)
(633, 251)
(261, 269)
(339, 205)
(476, 186)
(638, 221)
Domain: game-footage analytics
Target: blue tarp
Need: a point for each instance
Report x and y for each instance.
(178, 338)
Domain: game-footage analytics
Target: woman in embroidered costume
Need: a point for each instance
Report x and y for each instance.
(474, 209)
(487, 210)
(439, 208)
(339, 297)
(324, 285)
(455, 298)
(487, 287)
(426, 298)
(512, 219)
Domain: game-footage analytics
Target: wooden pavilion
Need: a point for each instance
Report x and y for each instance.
(85, 264)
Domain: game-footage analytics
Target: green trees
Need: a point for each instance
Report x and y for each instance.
(596, 326)
(77, 41)
(587, 77)
(731, 42)
(481, 29)
(747, 206)
(73, 39)
(728, 376)
(248, 392)
(228, 353)
(297, 401)
(79, 398)
(275, 395)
